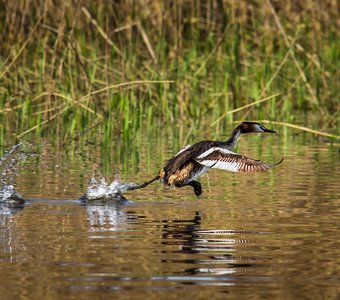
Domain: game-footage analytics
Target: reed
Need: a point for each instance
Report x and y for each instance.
(87, 69)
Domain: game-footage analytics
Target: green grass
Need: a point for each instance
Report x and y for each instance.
(60, 68)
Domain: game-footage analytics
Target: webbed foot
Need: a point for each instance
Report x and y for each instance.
(197, 187)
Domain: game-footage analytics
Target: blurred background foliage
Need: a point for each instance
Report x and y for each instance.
(101, 69)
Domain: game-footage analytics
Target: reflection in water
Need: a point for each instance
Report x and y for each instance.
(194, 255)
(182, 233)
(217, 247)
(277, 239)
(106, 216)
(7, 237)
(10, 208)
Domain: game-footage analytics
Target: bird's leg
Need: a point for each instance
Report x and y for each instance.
(197, 187)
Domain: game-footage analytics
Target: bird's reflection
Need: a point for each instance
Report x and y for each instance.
(182, 233)
(213, 251)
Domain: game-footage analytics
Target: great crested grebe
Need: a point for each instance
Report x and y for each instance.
(192, 161)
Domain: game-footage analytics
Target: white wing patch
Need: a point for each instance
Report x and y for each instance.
(185, 148)
(224, 159)
(214, 149)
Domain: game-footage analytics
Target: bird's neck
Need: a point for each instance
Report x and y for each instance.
(232, 141)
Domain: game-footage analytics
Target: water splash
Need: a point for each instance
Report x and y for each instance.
(99, 188)
(6, 192)
(10, 164)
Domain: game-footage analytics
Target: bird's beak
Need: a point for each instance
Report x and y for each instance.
(268, 130)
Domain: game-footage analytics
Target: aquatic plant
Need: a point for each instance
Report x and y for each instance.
(103, 70)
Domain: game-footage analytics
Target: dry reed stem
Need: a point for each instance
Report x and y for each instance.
(146, 41)
(22, 47)
(76, 136)
(121, 85)
(243, 107)
(332, 118)
(297, 127)
(100, 30)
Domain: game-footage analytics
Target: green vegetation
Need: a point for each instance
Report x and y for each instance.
(105, 70)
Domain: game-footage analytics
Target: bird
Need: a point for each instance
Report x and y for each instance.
(192, 161)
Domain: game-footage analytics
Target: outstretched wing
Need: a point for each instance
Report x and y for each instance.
(227, 160)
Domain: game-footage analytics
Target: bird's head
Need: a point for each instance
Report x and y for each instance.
(248, 127)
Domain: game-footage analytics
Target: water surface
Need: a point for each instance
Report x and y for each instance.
(267, 235)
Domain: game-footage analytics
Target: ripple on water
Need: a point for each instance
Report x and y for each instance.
(272, 234)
